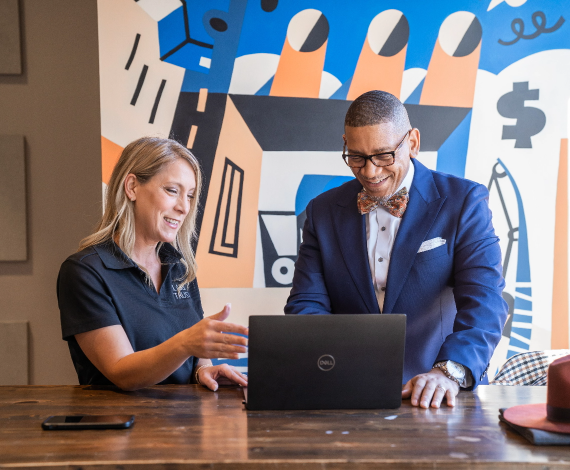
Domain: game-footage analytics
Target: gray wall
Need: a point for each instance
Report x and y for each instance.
(55, 105)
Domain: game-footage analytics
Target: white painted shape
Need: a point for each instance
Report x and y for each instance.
(283, 277)
(282, 172)
(453, 29)
(277, 226)
(205, 62)
(512, 3)
(120, 121)
(548, 71)
(329, 84)
(251, 72)
(410, 81)
(158, 9)
(301, 26)
(429, 159)
(381, 26)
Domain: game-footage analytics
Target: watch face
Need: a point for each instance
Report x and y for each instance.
(454, 370)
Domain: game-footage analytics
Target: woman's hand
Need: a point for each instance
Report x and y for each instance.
(213, 376)
(211, 337)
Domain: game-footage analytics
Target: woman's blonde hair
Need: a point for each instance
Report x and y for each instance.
(145, 158)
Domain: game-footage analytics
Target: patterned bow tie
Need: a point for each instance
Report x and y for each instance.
(395, 205)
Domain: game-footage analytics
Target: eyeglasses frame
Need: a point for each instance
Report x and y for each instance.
(369, 157)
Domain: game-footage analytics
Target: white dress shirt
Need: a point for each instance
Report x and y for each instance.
(381, 230)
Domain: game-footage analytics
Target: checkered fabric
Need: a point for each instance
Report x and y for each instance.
(527, 368)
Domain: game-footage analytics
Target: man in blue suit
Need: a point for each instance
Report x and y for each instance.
(404, 239)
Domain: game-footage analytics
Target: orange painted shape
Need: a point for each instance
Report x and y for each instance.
(299, 73)
(375, 72)
(236, 143)
(450, 81)
(110, 153)
(559, 334)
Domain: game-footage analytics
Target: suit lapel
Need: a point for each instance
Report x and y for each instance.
(350, 229)
(423, 207)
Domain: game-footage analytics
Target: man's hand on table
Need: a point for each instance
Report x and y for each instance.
(431, 388)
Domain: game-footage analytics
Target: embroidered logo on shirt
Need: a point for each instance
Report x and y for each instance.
(184, 294)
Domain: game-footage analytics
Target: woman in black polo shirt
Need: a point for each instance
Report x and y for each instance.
(129, 301)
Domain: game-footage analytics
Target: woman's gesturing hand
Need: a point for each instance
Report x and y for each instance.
(212, 337)
(213, 376)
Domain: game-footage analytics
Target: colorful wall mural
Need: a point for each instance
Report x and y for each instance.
(258, 91)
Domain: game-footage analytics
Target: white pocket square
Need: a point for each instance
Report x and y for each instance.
(431, 244)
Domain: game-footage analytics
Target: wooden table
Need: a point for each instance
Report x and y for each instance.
(190, 427)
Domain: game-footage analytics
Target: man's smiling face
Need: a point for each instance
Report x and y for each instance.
(384, 137)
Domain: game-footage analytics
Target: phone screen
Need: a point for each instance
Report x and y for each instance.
(89, 422)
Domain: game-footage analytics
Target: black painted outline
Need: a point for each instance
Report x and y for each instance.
(495, 176)
(133, 51)
(234, 246)
(140, 83)
(156, 102)
(188, 39)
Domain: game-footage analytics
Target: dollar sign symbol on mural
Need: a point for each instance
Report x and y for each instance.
(530, 121)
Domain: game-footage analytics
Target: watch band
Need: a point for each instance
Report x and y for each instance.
(442, 365)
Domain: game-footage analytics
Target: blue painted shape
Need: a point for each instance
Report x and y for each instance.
(313, 185)
(524, 332)
(349, 22)
(337, 181)
(232, 362)
(522, 318)
(523, 261)
(415, 96)
(511, 353)
(518, 344)
(524, 290)
(523, 304)
(452, 155)
(342, 92)
(171, 31)
(188, 57)
(266, 89)
(523, 258)
(225, 49)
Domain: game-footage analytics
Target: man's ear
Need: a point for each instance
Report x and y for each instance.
(414, 141)
(344, 138)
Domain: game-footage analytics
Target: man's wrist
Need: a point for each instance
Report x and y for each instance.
(452, 370)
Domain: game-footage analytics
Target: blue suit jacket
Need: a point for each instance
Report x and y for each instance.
(451, 294)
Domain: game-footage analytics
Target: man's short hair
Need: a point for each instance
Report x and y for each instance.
(375, 107)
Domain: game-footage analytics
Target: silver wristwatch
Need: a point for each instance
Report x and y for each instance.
(452, 370)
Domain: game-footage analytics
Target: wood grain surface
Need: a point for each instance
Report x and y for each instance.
(190, 427)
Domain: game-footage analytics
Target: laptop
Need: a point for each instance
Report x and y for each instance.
(319, 362)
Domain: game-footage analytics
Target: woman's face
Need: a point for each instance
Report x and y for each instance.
(163, 202)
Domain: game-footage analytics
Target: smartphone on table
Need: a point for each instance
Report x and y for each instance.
(88, 422)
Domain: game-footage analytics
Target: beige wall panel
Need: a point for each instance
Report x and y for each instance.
(245, 302)
(10, 50)
(13, 239)
(14, 353)
(55, 105)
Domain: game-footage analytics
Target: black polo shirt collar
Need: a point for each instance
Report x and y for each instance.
(115, 258)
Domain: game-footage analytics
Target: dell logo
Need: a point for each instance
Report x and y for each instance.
(326, 362)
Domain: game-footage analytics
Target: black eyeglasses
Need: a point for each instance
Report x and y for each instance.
(378, 159)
